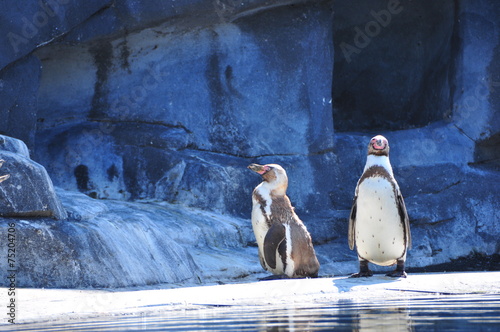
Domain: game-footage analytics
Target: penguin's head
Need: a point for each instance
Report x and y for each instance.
(273, 174)
(379, 146)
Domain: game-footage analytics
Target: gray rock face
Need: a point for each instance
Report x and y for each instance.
(143, 125)
(163, 101)
(119, 244)
(36, 23)
(28, 192)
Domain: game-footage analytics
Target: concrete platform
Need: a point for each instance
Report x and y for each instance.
(44, 305)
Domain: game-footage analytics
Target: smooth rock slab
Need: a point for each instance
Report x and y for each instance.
(114, 244)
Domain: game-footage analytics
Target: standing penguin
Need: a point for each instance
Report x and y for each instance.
(379, 224)
(285, 246)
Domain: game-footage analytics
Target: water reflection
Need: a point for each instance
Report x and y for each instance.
(388, 318)
(481, 312)
(289, 319)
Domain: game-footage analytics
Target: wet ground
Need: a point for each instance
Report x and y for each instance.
(434, 301)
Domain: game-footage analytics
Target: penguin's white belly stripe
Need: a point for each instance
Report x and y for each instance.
(290, 265)
(259, 224)
(379, 231)
(279, 265)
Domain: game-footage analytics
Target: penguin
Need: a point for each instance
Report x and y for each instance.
(378, 223)
(285, 245)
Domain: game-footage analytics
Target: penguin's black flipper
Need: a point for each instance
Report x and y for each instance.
(352, 223)
(274, 238)
(404, 218)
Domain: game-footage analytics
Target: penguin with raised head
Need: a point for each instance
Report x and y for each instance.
(285, 245)
(378, 223)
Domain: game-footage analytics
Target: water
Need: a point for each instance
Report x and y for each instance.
(444, 313)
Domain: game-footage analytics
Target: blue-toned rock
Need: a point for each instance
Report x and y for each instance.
(153, 110)
(19, 86)
(36, 23)
(28, 192)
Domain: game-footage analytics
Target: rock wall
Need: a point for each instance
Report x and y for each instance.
(119, 244)
(202, 103)
(170, 101)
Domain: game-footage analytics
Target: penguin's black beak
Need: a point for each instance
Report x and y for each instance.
(260, 169)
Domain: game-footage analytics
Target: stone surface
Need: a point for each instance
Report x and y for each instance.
(70, 306)
(196, 103)
(119, 244)
(170, 101)
(28, 192)
(477, 90)
(36, 23)
(19, 86)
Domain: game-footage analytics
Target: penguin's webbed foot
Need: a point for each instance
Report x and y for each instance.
(400, 270)
(397, 274)
(361, 274)
(364, 270)
(275, 277)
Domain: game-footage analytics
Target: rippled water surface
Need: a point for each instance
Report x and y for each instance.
(445, 313)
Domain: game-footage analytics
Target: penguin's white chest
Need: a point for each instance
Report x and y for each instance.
(259, 224)
(261, 212)
(379, 229)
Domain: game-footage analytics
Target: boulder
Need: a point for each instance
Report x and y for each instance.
(28, 192)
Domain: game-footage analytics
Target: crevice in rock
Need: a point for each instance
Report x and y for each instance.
(139, 121)
(456, 46)
(262, 8)
(322, 152)
(238, 155)
(438, 191)
(437, 222)
(461, 131)
(423, 221)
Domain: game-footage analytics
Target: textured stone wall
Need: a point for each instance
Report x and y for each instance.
(170, 101)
